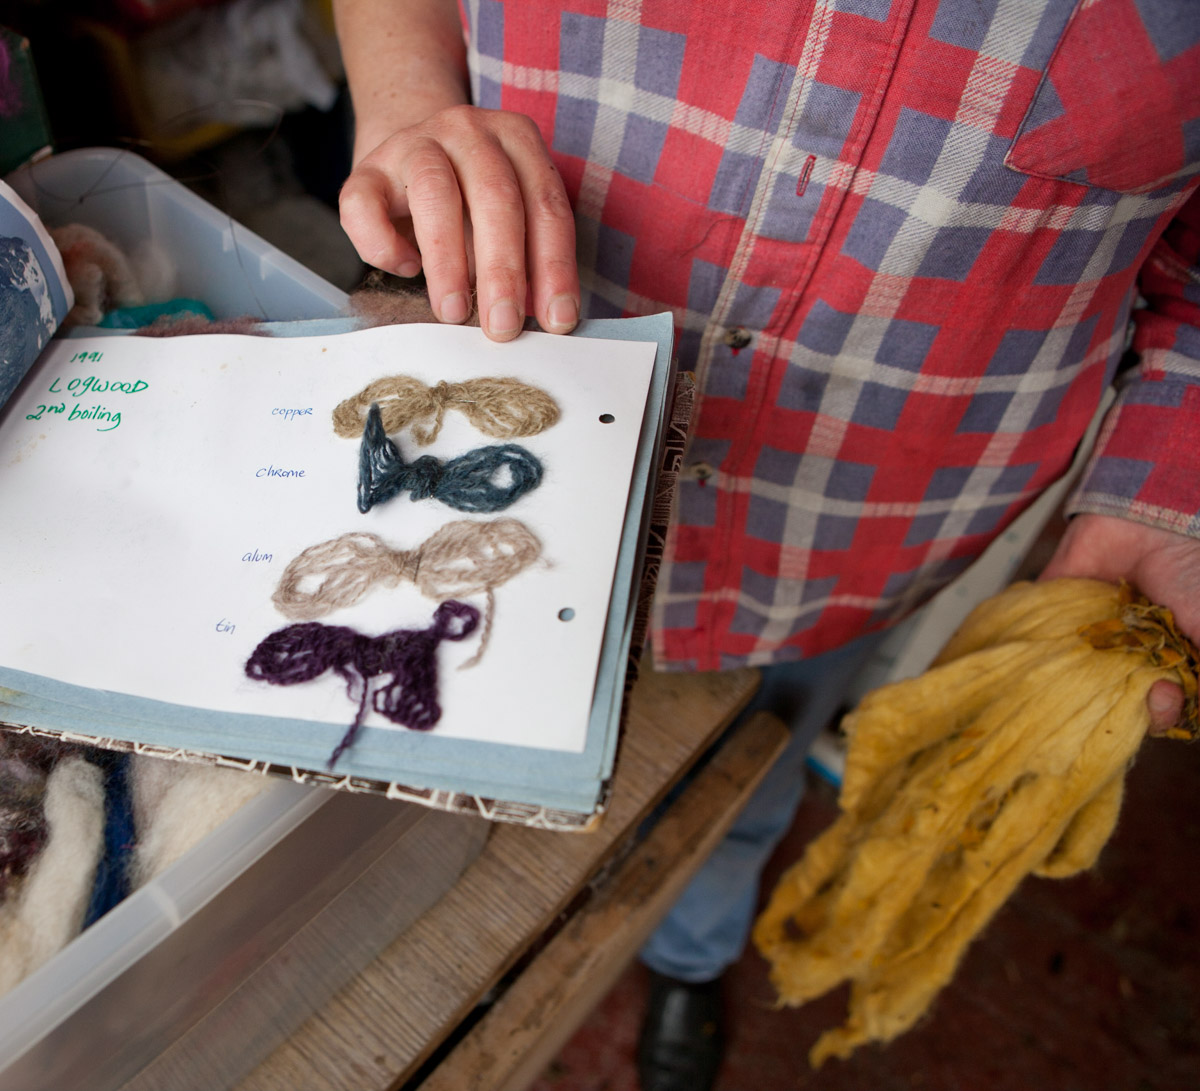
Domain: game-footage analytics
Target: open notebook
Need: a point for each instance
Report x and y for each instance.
(157, 490)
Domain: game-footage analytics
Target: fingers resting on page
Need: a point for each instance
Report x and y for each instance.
(472, 197)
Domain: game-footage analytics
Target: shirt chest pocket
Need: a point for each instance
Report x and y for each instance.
(1118, 105)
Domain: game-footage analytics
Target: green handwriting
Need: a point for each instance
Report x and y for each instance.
(110, 418)
(92, 385)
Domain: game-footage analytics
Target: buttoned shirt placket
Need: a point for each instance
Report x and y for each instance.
(786, 156)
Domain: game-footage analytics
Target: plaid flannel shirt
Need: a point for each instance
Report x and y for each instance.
(901, 240)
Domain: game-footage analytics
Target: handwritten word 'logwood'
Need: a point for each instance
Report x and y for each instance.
(111, 418)
(93, 385)
(276, 471)
(292, 414)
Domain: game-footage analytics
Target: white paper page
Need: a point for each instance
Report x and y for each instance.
(140, 557)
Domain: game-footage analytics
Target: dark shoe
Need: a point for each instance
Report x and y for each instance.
(682, 1039)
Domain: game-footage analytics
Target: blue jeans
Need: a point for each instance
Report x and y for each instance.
(706, 930)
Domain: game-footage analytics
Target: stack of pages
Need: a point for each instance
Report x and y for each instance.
(435, 600)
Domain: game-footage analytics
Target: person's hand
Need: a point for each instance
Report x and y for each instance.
(471, 196)
(1162, 565)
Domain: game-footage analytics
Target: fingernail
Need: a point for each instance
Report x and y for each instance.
(455, 307)
(408, 269)
(504, 317)
(563, 312)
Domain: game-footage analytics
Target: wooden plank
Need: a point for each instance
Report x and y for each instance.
(378, 1030)
(525, 1029)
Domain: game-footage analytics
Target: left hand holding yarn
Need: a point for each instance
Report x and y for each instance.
(1007, 757)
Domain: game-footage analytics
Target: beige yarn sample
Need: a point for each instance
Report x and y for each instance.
(504, 408)
(461, 558)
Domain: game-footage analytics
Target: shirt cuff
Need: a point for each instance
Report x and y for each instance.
(1146, 463)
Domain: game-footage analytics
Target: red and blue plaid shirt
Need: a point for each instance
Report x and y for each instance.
(902, 240)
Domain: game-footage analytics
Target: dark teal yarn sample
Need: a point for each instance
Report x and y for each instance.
(466, 483)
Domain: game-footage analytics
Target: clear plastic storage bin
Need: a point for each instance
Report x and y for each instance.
(201, 972)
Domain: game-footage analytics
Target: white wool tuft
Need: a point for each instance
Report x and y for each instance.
(45, 911)
(175, 804)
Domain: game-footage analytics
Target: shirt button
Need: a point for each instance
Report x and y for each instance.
(737, 337)
(700, 471)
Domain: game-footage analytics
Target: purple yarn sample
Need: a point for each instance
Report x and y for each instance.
(302, 652)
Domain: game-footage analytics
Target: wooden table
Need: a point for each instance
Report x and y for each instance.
(483, 990)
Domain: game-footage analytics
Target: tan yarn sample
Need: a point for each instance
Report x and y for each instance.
(504, 408)
(1007, 757)
(461, 558)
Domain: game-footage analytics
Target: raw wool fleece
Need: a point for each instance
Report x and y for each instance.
(100, 274)
(45, 911)
(175, 804)
(1006, 757)
(382, 300)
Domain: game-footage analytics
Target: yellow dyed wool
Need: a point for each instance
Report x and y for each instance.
(1006, 757)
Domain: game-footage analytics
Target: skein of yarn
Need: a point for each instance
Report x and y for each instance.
(305, 651)
(504, 408)
(461, 558)
(470, 482)
(1007, 757)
